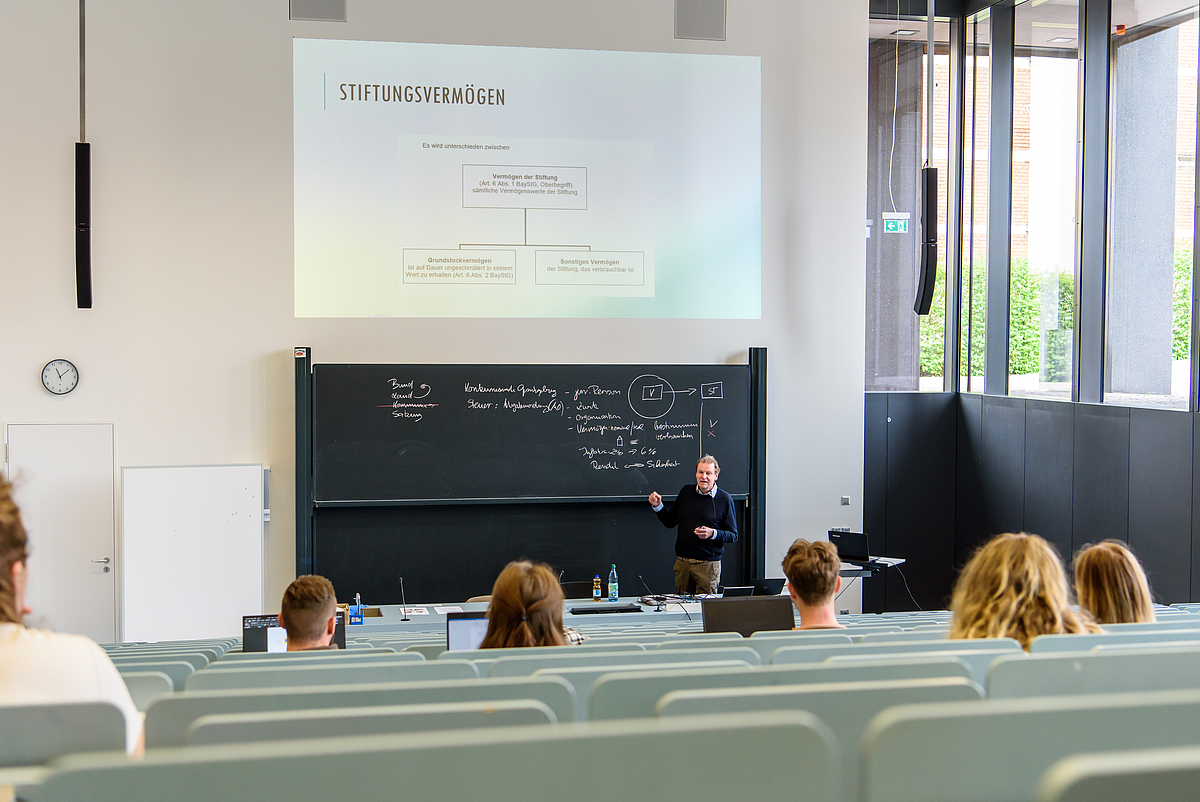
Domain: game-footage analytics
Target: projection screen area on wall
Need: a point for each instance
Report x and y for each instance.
(466, 181)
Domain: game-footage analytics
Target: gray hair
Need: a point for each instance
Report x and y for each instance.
(711, 460)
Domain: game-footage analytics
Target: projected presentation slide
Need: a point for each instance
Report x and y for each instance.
(467, 181)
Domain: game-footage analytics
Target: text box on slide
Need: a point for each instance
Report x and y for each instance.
(590, 268)
(450, 266)
(511, 186)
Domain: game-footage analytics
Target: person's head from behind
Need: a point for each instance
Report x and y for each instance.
(309, 612)
(1111, 584)
(812, 571)
(526, 608)
(14, 555)
(1014, 586)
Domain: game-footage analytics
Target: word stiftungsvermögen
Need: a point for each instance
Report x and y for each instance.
(390, 93)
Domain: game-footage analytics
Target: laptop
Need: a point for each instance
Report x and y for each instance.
(852, 548)
(262, 633)
(737, 590)
(768, 587)
(466, 630)
(748, 614)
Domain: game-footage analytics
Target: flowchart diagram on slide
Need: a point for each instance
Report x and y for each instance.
(577, 221)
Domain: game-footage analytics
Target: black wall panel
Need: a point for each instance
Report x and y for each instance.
(875, 493)
(942, 476)
(1049, 470)
(1160, 499)
(1004, 463)
(921, 451)
(969, 513)
(1100, 503)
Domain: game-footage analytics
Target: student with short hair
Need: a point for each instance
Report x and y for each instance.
(812, 570)
(1015, 586)
(309, 614)
(1111, 584)
(42, 667)
(526, 608)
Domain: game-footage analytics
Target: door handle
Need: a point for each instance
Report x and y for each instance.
(105, 560)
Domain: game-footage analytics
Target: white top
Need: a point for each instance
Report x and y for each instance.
(42, 667)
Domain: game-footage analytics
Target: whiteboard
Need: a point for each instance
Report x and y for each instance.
(192, 550)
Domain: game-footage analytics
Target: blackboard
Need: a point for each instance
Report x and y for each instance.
(407, 434)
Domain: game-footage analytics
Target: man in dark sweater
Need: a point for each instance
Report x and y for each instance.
(704, 515)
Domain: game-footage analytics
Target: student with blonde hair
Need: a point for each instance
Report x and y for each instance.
(1111, 584)
(812, 572)
(526, 608)
(1014, 587)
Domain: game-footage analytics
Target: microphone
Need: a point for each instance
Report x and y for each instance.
(403, 602)
(662, 600)
(650, 595)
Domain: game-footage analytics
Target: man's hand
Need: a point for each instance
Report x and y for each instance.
(705, 532)
(655, 499)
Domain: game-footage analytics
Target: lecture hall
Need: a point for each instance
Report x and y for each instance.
(786, 398)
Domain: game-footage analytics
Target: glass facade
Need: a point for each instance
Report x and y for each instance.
(904, 351)
(1125, 334)
(1151, 209)
(1043, 234)
(976, 108)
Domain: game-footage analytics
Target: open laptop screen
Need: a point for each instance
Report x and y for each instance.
(748, 614)
(262, 633)
(466, 630)
(851, 546)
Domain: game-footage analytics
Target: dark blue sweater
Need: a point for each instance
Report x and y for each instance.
(692, 509)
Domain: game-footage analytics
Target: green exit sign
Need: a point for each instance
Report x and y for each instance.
(895, 226)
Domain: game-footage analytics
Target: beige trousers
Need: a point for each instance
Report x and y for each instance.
(696, 576)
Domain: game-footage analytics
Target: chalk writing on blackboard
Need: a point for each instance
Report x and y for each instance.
(404, 402)
(484, 431)
(652, 396)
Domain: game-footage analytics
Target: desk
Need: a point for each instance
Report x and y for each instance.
(435, 623)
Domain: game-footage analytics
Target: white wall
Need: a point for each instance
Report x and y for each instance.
(188, 347)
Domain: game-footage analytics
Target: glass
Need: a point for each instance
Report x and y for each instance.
(903, 350)
(1151, 209)
(977, 86)
(1043, 237)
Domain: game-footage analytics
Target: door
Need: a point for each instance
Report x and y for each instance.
(64, 475)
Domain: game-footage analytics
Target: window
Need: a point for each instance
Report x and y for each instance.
(1151, 209)
(1045, 174)
(977, 84)
(904, 351)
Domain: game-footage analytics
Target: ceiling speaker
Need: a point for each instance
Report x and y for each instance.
(319, 10)
(700, 19)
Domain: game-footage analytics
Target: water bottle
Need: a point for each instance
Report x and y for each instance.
(596, 588)
(612, 584)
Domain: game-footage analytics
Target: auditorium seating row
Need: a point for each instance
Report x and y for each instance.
(857, 714)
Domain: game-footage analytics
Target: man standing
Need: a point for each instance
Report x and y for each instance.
(309, 614)
(704, 515)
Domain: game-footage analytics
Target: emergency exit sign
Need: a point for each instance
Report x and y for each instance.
(895, 226)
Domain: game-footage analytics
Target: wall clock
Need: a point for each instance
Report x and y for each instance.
(60, 376)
